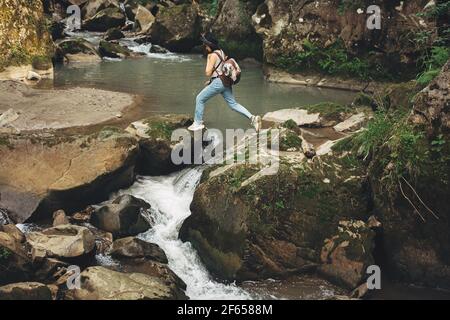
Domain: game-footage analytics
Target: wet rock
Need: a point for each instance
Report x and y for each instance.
(114, 34)
(104, 20)
(113, 50)
(347, 255)
(132, 247)
(13, 231)
(65, 241)
(176, 28)
(123, 217)
(45, 172)
(158, 49)
(25, 291)
(99, 283)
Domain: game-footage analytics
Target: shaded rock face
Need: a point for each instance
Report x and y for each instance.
(65, 241)
(284, 24)
(15, 265)
(418, 251)
(346, 256)
(45, 172)
(251, 231)
(123, 217)
(104, 20)
(27, 38)
(131, 247)
(154, 134)
(25, 291)
(176, 28)
(233, 26)
(99, 283)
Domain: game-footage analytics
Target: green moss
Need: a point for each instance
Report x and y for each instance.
(160, 130)
(290, 124)
(290, 140)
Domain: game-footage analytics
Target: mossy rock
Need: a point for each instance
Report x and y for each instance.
(113, 50)
(277, 223)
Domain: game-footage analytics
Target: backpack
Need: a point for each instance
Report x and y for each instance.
(230, 71)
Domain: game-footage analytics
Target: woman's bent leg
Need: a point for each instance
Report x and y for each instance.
(231, 101)
(207, 93)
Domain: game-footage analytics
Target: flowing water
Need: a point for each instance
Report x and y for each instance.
(170, 198)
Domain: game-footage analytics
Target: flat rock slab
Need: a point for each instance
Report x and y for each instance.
(58, 109)
(355, 122)
(300, 116)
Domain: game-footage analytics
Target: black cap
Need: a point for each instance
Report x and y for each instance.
(210, 40)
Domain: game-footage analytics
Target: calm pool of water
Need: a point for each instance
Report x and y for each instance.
(170, 83)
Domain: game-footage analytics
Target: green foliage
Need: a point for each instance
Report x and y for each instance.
(432, 63)
(333, 60)
(345, 5)
(211, 6)
(401, 150)
(290, 140)
(290, 124)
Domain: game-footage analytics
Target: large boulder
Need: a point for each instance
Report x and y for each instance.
(114, 34)
(248, 225)
(44, 172)
(25, 291)
(154, 134)
(92, 7)
(123, 217)
(64, 241)
(105, 19)
(176, 28)
(284, 25)
(144, 19)
(132, 247)
(414, 209)
(76, 50)
(99, 283)
(233, 26)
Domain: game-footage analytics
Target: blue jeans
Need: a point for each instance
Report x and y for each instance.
(213, 89)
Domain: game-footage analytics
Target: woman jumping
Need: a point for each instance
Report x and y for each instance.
(215, 86)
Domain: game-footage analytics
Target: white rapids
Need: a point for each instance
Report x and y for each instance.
(170, 198)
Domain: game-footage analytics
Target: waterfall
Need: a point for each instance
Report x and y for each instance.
(170, 198)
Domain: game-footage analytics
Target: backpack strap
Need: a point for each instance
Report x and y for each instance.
(221, 60)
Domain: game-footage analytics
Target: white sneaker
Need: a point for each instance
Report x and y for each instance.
(257, 123)
(196, 126)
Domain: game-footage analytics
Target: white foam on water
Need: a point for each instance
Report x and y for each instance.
(170, 198)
